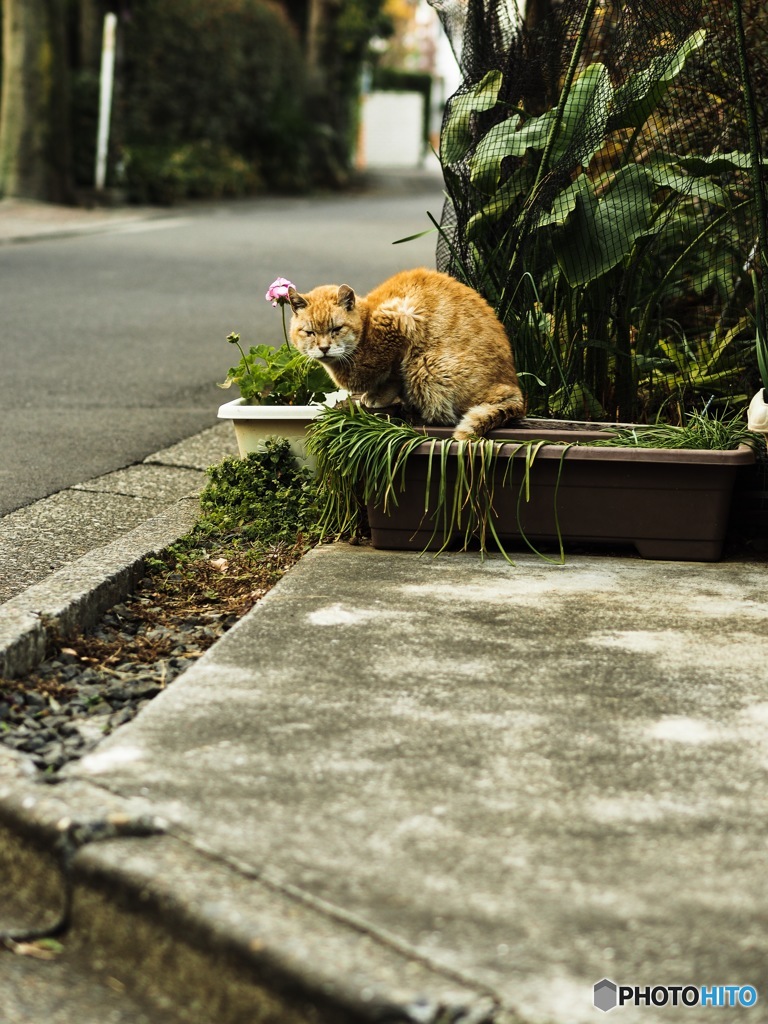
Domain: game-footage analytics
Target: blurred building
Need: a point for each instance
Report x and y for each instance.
(405, 89)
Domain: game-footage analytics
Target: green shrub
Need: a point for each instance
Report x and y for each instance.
(165, 174)
(265, 498)
(211, 99)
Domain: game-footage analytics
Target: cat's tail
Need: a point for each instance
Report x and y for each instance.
(506, 402)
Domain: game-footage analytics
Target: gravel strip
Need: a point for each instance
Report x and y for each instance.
(96, 681)
(69, 704)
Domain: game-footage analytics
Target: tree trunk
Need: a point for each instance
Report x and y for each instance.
(34, 113)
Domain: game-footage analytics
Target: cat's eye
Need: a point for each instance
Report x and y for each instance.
(309, 334)
(336, 330)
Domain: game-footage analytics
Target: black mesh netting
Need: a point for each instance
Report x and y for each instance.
(603, 169)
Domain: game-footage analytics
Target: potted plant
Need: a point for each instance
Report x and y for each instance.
(665, 490)
(281, 391)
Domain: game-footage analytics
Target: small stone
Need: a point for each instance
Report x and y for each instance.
(88, 692)
(116, 692)
(122, 717)
(100, 708)
(34, 743)
(89, 675)
(145, 690)
(125, 667)
(15, 742)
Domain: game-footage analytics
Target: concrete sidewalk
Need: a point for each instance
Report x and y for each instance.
(438, 789)
(24, 220)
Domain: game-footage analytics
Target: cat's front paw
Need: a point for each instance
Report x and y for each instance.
(379, 399)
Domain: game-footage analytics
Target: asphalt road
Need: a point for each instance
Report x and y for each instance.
(111, 344)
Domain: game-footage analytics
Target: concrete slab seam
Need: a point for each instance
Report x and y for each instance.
(271, 964)
(336, 913)
(38, 817)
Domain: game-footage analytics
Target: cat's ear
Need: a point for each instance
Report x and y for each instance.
(297, 301)
(346, 297)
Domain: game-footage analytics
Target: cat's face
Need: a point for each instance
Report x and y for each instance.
(326, 324)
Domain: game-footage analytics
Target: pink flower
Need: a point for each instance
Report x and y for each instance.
(278, 291)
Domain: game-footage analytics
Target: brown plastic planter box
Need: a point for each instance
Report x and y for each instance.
(669, 504)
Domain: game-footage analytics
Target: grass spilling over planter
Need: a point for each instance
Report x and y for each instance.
(468, 491)
(362, 459)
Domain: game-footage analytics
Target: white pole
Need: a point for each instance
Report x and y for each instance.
(105, 97)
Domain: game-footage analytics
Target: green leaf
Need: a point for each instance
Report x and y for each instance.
(51, 945)
(515, 138)
(412, 238)
(636, 100)
(666, 175)
(588, 106)
(508, 197)
(599, 234)
(565, 203)
(718, 163)
(592, 91)
(576, 401)
(280, 376)
(507, 139)
(456, 137)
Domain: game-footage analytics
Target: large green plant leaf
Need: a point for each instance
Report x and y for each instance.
(636, 100)
(508, 197)
(667, 175)
(585, 116)
(509, 138)
(456, 137)
(718, 163)
(599, 234)
(592, 91)
(565, 203)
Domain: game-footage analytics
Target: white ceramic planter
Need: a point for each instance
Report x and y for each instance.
(757, 414)
(254, 424)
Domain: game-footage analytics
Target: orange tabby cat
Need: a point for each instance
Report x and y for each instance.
(421, 338)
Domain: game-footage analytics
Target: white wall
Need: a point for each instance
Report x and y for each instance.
(392, 130)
